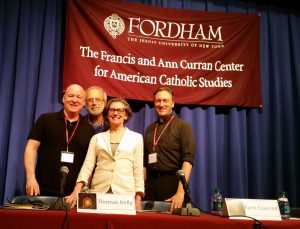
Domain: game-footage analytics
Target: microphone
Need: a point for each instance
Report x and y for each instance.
(64, 170)
(60, 203)
(188, 210)
(185, 185)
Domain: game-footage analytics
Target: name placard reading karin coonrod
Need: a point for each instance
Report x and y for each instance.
(260, 209)
(94, 202)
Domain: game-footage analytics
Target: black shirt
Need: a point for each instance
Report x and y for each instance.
(176, 144)
(50, 131)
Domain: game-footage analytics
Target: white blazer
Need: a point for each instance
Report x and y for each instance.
(123, 171)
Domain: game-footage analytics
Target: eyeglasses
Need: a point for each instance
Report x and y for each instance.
(118, 110)
(92, 100)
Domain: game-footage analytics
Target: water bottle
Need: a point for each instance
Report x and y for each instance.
(216, 202)
(284, 206)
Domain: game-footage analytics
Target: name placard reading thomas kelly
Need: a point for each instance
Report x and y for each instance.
(93, 202)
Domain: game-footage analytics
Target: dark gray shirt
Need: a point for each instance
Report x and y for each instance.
(176, 144)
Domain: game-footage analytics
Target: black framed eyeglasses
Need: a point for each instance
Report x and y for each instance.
(92, 100)
(118, 110)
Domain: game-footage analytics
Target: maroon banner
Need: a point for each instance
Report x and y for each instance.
(131, 49)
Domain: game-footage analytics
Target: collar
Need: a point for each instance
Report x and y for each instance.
(164, 119)
(61, 115)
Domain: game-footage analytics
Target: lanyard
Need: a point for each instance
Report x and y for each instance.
(67, 133)
(154, 136)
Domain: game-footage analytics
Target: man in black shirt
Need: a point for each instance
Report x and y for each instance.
(57, 139)
(169, 146)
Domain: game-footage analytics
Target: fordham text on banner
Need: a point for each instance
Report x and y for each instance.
(114, 45)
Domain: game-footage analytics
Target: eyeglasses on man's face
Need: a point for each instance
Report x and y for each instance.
(94, 100)
(118, 110)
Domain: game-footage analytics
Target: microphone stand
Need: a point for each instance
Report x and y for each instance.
(60, 203)
(187, 211)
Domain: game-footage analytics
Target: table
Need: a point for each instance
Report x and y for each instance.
(56, 219)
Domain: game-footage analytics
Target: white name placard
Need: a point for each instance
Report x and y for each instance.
(260, 209)
(94, 202)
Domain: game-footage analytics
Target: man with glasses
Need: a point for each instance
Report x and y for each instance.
(95, 102)
(169, 147)
(57, 139)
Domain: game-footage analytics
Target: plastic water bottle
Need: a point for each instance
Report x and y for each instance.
(284, 206)
(217, 202)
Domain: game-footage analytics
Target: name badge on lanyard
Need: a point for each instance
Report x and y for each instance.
(67, 156)
(152, 158)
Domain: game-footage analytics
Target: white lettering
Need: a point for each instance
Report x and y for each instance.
(196, 65)
(117, 59)
(219, 82)
(228, 67)
(176, 81)
(173, 30)
(135, 78)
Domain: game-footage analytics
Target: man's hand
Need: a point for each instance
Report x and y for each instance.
(177, 200)
(32, 187)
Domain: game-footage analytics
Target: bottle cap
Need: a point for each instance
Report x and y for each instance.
(217, 189)
(282, 194)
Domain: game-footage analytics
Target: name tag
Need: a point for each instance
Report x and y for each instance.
(67, 157)
(152, 158)
(94, 202)
(257, 208)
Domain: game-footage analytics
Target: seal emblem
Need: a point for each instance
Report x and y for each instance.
(114, 25)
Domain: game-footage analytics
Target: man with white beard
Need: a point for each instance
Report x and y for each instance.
(95, 102)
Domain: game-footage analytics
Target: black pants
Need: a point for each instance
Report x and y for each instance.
(160, 186)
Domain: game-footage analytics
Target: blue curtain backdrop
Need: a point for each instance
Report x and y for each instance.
(248, 153)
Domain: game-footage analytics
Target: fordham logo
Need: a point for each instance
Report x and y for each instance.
(114, 25)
